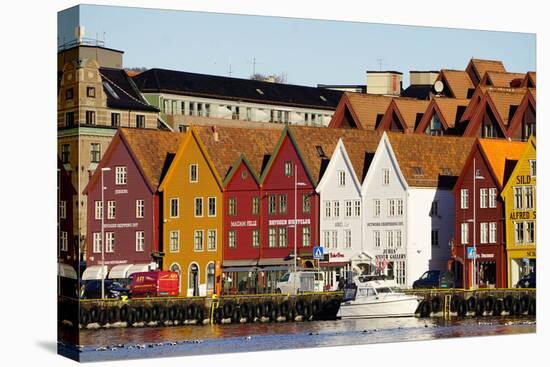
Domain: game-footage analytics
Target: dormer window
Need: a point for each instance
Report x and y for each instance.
(90, 92)
(418, 171)
(435, 127)
(288, 169)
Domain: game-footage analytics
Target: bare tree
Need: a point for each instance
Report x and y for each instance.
(274, 78)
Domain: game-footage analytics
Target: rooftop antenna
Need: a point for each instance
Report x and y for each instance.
(230, 69)
(254, 62)
(379, 61)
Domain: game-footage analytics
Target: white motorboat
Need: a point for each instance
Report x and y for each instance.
(376, 296)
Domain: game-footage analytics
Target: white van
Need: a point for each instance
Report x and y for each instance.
(305, 281)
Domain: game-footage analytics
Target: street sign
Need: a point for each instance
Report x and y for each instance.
(318, 253)
(471, 253)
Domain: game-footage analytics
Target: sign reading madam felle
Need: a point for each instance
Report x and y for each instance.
(391, 254)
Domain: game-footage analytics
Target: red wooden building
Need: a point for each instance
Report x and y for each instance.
(489, 164)
(136, 161)
(67, 243)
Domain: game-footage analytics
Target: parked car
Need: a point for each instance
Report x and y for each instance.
(527, 281)
(304, 281)
(154, 284)
(91, 289)
(435, 279)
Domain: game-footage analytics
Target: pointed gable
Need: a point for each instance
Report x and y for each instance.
(523, 122)
(403, 114)
(502, 79)
(477, 68)
(456, 83)
(498, 155)
(360, 110)
(529, 152)
(530, 80)
(448, 110)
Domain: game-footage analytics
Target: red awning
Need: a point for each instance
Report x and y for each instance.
(334, 264)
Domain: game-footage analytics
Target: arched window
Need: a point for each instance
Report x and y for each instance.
(193, 277)
(210, 270)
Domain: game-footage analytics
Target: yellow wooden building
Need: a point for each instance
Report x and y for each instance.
(191, 202)
(519, 195)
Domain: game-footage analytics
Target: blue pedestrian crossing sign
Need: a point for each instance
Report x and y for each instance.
(318, 253)
(471, 253)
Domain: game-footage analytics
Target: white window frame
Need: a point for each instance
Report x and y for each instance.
(492, 232)
(334, 239)
(518, 194)
(191, 166)
(348, 209)
(347, 238)
(215, 206)
(97, 243)
(492, 197)
(326, 239)
(175, 201)
(110, 242)
(63, 241)
(195, 207)
(140, 208)
(62, 209)
(140, 241)
(377, 239)
(306, 236)
(272, 237)
(464, 233)
(527, 237)
(174, 241)
(529, 197)
(376, 207)
(483, 232)
(328, 210)
(521, 227)
(121, 175)
(399, 212)
(483, 198)
(398, 238)
(385, 176)
(341, 178)
(336, 209)
(357, 208)
(231, 238)
(98, 209)
(389, 239)
(209, 237)
(283, 231)
(288, 169)
(198, 247)
(255, 238)
(111, 209)
(464, 198)
(391, 207)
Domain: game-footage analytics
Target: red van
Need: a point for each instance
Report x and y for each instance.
(154, 284)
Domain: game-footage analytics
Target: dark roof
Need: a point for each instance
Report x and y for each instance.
(126, 95)
(419, 91)
(384, 71)
(213, 86)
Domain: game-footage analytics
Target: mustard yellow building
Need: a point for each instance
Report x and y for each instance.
(191, 202)
(519, 197)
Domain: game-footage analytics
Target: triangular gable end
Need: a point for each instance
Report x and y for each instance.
(477, 120)
(432, 109)
(344, 116)
(235, 167)
(528, 101)
(531, 144)
(339, 150)
(388, 120)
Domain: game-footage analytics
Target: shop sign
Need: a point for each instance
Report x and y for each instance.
(531, 253)
(523, 215)
(121, 225)
(284, 222)
(121, 191)
(341, 224)
(391, 254)
(523, 180)
(336, 254)
(243, 223)
(115, 262)
(383, 224)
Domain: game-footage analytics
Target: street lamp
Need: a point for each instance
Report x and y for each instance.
(476, 176)
(296, 184)
(104, 169)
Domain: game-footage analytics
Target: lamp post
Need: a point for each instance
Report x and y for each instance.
(296, 184)
(474, 269)
(104, 169)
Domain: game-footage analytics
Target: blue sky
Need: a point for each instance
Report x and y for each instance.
(309, 52)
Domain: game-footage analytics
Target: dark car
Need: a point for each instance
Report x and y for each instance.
(92, 289)
(527, 281)
(435, 279)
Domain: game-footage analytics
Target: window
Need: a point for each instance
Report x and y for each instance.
(69, 119)
(272, 236)
(518, 226)
(120, 175)
(493, 232)
(306, 203)
(464, 233)
(399, 206)
(282, 204)
(140, 208)
(232, 238)
(90, 117)
(376, 206)
(198, 207)
(306, 236)
(97, 243)
(327, 209)
(385, 176)
(464, 199)
(115, 119)
(288, 168)
(90, 92)
(326, 239)
(212, 240)
(140, 121)
(347, 238)
(398, 238)
(69, 93)
(272, 204)
(334, 239)
(140, 241)
(65, 153)
(255, 238)
(533, 168)
(111, 209)
(232, 206)
(63, 242)
(435, 127)
(389, 238)
(530, 232)
(98, 209)
(62, 209)
(191, 108)
(418, 171)
(342, 178)
(193, 173)
(483, 198)
(174, 241)
(282, 236)
(199, 246)
(211, 207)
(518, 198)
(376, 238)
(357, 208)
(95, 153)
(347, 209)
(336, 209)
(434, 211)
(255, 205)
(492, 197)
(391, 207)
(174, 207)
(484, 232)
(528, 191)
(110, 242)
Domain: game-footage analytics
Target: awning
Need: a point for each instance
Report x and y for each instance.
(279, 261)
(94, 272)
(252, 262)
(240, 269)
(334, 264)
(66, 271)
(276, 268)
(137, 268)
(119, 271)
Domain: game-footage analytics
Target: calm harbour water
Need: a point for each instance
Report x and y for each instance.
(130, 343)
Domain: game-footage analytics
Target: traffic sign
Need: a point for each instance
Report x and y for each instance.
(471, 253)
(318, 253)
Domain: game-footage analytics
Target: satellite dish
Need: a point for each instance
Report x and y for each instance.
(438, 86)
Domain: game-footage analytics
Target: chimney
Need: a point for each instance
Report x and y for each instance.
(423, 77)
(215, 133)
(384, 82)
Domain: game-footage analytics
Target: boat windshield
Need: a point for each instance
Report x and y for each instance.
(366, 292)
(384, 290)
